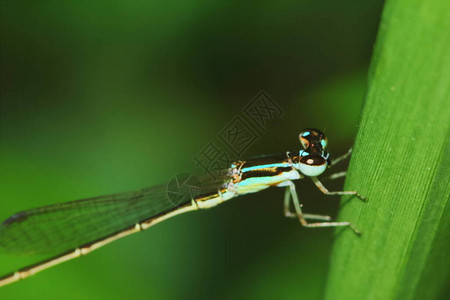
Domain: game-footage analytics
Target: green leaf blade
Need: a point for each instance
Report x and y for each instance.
(401, 164)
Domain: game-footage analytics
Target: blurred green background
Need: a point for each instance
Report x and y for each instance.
(102, 97)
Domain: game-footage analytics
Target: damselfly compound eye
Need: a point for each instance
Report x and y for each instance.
(312, 165)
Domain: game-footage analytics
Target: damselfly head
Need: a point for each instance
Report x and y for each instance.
(313, 160)
(311, 137)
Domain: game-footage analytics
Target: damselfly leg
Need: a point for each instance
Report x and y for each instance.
(335, 162)
(291, 193)
(335, 176)
(341, 158)
(324, 190)
(289, 214)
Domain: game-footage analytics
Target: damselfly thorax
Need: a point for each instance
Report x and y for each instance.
(251, 176)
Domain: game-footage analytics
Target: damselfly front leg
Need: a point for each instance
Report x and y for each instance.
(335, 162)
(340, 158)
(335, 176)
(324, 190)
(290, 190)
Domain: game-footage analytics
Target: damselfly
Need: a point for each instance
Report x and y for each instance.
(76, 228)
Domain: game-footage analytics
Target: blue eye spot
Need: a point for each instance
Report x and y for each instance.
(303, 153)
(306, 133)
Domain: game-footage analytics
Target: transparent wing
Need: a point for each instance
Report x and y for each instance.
(66, 226)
